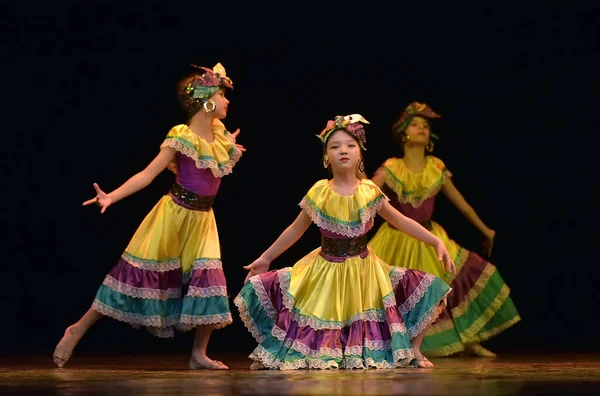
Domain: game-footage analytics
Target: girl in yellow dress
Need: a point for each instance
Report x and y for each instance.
(479, 305)
(170, 275)
(341, 306)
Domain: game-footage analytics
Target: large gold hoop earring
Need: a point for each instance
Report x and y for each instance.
(361, 166)
(405, 138)
(430, 146)
(212, 103)
(325, 162)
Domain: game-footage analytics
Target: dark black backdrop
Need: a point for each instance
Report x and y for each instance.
(89, 98)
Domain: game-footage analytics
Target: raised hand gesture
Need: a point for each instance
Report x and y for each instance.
(101, 200)
(234, 135)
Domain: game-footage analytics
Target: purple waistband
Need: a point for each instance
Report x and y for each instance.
(341, 259)
(339, 249)
(190, 200)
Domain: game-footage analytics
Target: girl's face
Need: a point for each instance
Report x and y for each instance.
(221, 103)
(343, 151)
(418, 131)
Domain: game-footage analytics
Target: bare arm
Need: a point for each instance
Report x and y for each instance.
(145, 177)
(416, 230)
(135, 183)
(287, 238)
(451, 192)
(379, 177)
(408, 225)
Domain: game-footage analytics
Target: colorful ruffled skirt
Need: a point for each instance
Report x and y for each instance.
(479, 305)
(170, 275)
(358, 313)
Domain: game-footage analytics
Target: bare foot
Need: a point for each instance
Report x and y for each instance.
(65, 347)
(204, 362)
(420, 361)
(479, 351)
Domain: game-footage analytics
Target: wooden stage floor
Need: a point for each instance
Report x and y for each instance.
(549, 374)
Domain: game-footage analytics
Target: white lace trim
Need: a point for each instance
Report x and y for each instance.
(427, 319)
(264, 299)
(389, 300)
(135, 319)
(302, 320)
(285, 275)
(203, 264)
(204, 292)
(263, 356)
(354, 350)
(392, 182)
(278, 333)
(350, 363)
(358, 363)
(407, 353)
(398, 328)
(346, 230)
(217, 171)
(417, 295)
(304, 349)
(415, 203)
(378, 345)
(140, 292)
(247, 319)
(152, 265)
(320, 324)
(263, 359)
(396, 276)
(196, 320)
(312, 353)
(402, 358)
(374, 345)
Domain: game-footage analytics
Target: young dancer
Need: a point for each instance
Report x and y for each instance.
(341, 306)
(170, 275)
(479, 305)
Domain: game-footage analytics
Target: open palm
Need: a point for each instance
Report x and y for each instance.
(234, 136)
(102, 199)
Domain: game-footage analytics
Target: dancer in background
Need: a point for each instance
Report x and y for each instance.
(341, 306)
(170, 275)
(479, 305)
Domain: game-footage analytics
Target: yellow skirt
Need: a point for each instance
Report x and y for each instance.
(479, 305)
(401, 250)
(338, 292)
(172, 232)
(170, 275)
(358, 313)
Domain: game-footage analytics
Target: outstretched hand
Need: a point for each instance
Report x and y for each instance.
(237, 145)
(259, 266)
(444, 257)
(488, 244)
(102, 199)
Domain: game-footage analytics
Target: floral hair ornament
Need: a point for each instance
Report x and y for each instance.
(351, 123)
(199, 90)
(412, 110)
